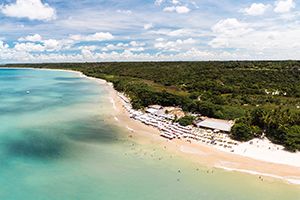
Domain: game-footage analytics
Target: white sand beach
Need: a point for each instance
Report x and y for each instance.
(264, 150)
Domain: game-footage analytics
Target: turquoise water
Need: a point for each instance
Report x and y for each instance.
(56, 142)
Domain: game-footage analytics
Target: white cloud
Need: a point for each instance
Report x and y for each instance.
(137, 49)
(284, 6)
(101, 36)
(271, 36)
(131, 46)
(160, 39)
(31, 38)
(35, 43)
(256, 9)
(183, 32)
(219, 42)
(178, 9)
(126, 12)
(31, 9)
(170, 9)
(195, 54)
(137, 44)
(29, 47)
(52, 45)
(174, 45)
(175, 2)
(182, 9)
(90, 48)
(231, 27)
(158, 2)
(111, 47)
(257, 40)
(121, 44)
(3, 45)
(268, 41)
(179, 32)
(87, 53)
(127, 55)
(226, 29)
(148, 26)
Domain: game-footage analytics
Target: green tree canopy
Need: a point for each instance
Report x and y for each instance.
(186, 120)
(242, 132)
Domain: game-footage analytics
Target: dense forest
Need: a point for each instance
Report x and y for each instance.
(262, 96)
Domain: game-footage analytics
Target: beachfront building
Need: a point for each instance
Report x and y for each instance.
(215, 124)
(165, 112)
(162, 119)
(175, 111)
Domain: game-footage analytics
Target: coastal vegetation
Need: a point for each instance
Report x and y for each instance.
(241, 132)
(186, 120)
(262, 96)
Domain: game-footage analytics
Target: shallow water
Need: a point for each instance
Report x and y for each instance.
(56, 143)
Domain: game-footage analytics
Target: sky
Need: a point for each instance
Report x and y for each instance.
(148, 30)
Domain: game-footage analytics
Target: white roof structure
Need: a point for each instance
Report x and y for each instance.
(157, 107)
(151, 110)
(159, 113)
(216, 124)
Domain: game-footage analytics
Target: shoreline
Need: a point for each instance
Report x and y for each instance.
(200, 153)
(204, 154)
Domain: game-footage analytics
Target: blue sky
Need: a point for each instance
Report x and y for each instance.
(132, 30)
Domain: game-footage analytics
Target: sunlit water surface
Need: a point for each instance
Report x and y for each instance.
(57, 144)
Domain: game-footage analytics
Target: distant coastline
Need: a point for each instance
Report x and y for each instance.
(205, 154)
